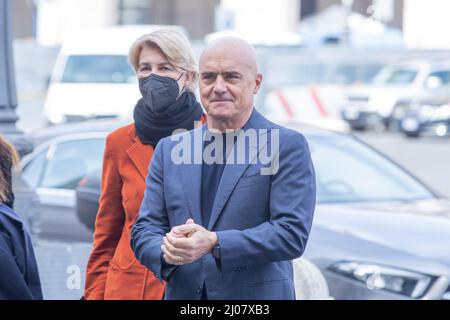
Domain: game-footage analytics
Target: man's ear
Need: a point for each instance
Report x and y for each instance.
(258, 82)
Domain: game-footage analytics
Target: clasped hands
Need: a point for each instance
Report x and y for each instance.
(187, 243)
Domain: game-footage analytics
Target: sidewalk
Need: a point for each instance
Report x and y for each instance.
(62, 268)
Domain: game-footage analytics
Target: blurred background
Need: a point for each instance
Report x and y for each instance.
(368, 81)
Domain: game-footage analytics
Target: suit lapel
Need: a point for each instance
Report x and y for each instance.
(191, 178)
(231, 175)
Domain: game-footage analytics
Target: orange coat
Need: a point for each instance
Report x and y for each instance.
(112, 270)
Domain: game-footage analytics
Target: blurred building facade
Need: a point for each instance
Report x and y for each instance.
(422, 22)
(387, 11)
(54, 19)
(426, 24)
(50, 20)
(23, 13)
(197, 16)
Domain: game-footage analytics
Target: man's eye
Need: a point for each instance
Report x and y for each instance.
(232, 76)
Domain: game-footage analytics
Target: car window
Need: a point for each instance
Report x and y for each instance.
(350, 74)
(443, 76)
(393, 76)
(71, 161)
(32, 172)
(98, 69)
(349, 171)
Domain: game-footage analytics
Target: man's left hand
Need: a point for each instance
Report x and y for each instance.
(196, 242)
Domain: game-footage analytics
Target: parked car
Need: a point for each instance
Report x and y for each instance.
(377, 105)
(87, 198)
(54, 169)
(427, 118)
(378, 232)
(26, 204)
(78, 145)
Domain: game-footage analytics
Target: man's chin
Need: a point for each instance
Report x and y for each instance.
(221, 112)
(219, 115)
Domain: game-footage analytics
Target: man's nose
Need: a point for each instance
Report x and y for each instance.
(220, 86)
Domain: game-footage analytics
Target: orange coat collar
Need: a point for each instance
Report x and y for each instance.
(139, 153)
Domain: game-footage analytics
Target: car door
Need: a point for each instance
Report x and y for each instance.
(55, 172)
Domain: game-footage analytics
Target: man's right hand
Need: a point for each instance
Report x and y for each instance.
(188, 243)
(170, 258)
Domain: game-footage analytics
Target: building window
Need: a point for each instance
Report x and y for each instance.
(307, 8)
(135, 11)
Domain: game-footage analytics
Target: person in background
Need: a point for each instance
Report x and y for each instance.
(19, 275)
(167, 74)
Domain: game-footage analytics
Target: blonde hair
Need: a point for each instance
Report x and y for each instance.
(174, 46)
(8, 160)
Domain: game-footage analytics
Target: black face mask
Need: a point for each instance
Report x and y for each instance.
(159, 92)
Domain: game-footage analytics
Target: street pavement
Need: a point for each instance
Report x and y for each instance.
(62, 268)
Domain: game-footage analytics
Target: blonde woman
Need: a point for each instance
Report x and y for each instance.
(167, 73)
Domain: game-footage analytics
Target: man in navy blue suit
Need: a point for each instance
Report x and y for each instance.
(227, 226)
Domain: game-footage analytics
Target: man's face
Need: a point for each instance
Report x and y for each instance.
(227, 85)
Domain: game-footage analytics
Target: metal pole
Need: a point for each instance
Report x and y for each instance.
(8, 97)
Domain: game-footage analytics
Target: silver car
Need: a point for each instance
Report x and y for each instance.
(378, 232)
(54, 169)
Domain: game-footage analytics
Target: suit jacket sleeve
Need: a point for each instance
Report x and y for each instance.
(152, 224)
(108, 226)
(292, 203)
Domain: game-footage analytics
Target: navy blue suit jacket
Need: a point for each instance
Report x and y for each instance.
(262, 221)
